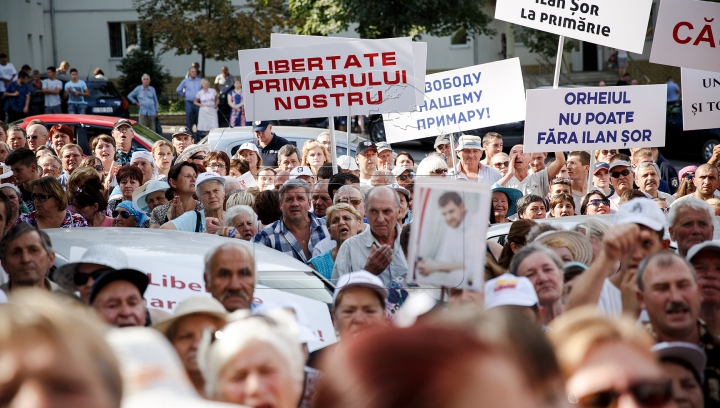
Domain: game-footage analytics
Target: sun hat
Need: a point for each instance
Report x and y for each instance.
(195, 305)
(513, 196)
(191, 150)
(141, 193)
(510, 290)
(360, 278)
(101, 254)
(579, 245)
(137, 278)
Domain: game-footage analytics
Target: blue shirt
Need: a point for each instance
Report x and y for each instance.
(147, 98)
(279, 237)
(17, 103)
(188, 221)
(191, 87)
(80, 86)
(673, 91)
(323, 264)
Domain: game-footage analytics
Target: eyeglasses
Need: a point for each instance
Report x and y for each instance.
(598, 202)
(198, 157)
(645, 393)
(81, 279)
(502, 164)
(99, 168)
(617, 174)
(406, 176)
(689, 176)
(49, 167)
(611, 152)
(439, 171)
(216, 166)
(123, 214)
(41, 197)
(353, 201)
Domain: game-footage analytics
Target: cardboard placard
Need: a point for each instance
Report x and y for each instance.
(595, 118)
(354, 77)
(462, 99)
(687, 34)
(447, 240)
(612, 23)
(247, 180)
(700, 99)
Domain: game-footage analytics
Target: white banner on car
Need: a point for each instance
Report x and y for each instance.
(612, 23)
(686, 35)
(595, 118)
(336, 79)
(278, 40)
(700, 99)
(462, 99)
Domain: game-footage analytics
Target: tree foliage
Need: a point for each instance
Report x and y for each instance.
(542, 42)
(137, 63)
(391, 18)
(212, 28)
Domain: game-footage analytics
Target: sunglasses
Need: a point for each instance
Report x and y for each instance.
(608, 152)
(689, 176)
(646, 394)
(81, 279)
(617, 174)
(502, 164)
(439, 171)
(353, 201)
(41, 197)
(598, 202)
(406, 176)
(198, 157)
(216, 166)
(123, 214)
(665, 210)
(99, 168)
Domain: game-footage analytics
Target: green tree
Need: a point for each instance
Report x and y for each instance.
(542, 42)
(212, 28)
(391, 18)
(137, 63)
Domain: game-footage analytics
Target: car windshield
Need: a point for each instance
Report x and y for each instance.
(103, 89)
(146, 133)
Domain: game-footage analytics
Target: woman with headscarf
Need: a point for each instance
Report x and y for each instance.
(126, 215)
(144, 160)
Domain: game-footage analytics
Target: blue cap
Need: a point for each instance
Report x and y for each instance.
(601, 165)
(261, 125)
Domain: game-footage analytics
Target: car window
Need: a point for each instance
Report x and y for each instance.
(148, 134)
(102, 89)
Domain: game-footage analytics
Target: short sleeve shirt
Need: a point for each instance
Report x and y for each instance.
(80, 86)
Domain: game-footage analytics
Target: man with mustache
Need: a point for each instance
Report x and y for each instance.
(668, 289)
(691, 223)
(230, 276)
(647, 177)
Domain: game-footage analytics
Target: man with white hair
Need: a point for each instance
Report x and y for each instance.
(647, 178)
(690, 223)
(37, 135)
(324, 139)
(230, 276)
(146, 99)
(382, 177)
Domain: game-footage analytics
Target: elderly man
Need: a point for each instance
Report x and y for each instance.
(27, 256)
(324, 139)
(705, 258)
(645, 155)
(146, 99)
(268, 142)
(621, 180)
(647, 178)
(377, 249)
(382, 177)
(298, 230)
(288, 157)
(181, 139)
(469, 149)
(385, 156)
(638, 231)
(24, 166)
(667, 288)
(123, 134)
(320, 198)
(230, 276)
(367, 160)
(442, 146)
(518, 177)
(706, 181)
(492, 144)
(691, 223)
(37, 136)
(118, 297)
(185, 329)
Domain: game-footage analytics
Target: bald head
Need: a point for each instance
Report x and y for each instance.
(37, 136)
(230, 275)
(382, 193)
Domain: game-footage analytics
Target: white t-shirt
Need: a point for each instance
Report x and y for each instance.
(536, 183)
(52, 99)
(7, 71)
(610, 302)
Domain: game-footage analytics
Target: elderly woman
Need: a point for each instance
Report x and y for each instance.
(595, 202)
(207, 100)
(60, 135)
(210, 189)
(71, 155)
(50, 165)
(432, 166)
(250, 153)
(4, 151)
(240, 222)
(51, 207)
(89, 200)
(569, 246)
(162, 152)
(545, 270)
(255, 361)
(43, 150)
(93, 163)
(12, 192)
(182, 177)
(150, 195)
(343, 221)
(129, 178)
(126, 215)
(217, 161)
(314, 155)
(562, 205)
(144, 161)
(504, 202)
(104, 148)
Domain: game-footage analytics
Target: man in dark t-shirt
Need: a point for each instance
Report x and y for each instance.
(268, 142)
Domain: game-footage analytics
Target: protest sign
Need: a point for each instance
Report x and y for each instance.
(247, 180)
(419, 53)
(451, 221)
(701, 99)
(686, 35)
(462, 99)
(595, 118)
(612, 23)
(354, 77)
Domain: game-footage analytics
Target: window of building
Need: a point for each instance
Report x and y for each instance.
(122, 36)
(459, 37)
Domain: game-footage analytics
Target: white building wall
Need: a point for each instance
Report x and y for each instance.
(25, 32)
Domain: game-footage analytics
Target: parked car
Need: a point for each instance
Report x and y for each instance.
(88, 127)
(696, 145)
(230, 139)
(104, 99)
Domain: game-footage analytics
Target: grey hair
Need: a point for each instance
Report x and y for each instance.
(211, 253)
(6, 146)
(377, 189)
(145, 75)
(689, 201)
(430, 164)
(592, 228)
(647, 164)
(664, 258)
(346, 188)
(389, 176)
(234, 211)
(19, 230)
(529, 250)
(293, 184)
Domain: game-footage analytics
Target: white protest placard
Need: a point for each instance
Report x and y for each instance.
(595, 118)
(686, 35)
(419, 53)
(247, 180)
(337, 79)
(462, 99)
(451, 220)
(612, 23)
(700, 99)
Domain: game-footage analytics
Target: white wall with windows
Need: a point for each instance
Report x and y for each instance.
(26, 32)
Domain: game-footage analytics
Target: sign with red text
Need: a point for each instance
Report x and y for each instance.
(687, 34)
(595, 118)
(247, 180)
(347, 78)
(700, 99)
(419, 53)
(462, 99)
(612, 23)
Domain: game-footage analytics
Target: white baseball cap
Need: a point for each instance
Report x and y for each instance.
(360, 278)
(248, 146)
(208, 176)
(510, 290)
(347, 163)
(709, 245)
(690, 353)
(641, 211)
(397, 171)
(301, 171)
